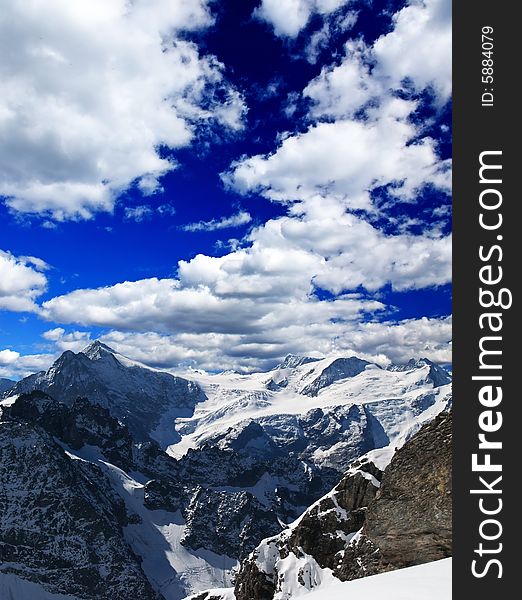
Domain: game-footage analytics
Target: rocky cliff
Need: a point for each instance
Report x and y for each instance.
(370, 523)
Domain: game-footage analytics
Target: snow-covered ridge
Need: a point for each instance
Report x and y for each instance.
(397, 401)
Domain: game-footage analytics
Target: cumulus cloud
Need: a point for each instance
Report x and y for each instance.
(89, 90)
(384, 343)
(341, 90)
(22, 281)
(74, 340)
(419, 47)
(346, 156)
(259, 302)
(402, 57)
(240, 218)
(8, 357)
(165, 305)
(23, 365)
(289, 17)
(306, 282)
(346, 159)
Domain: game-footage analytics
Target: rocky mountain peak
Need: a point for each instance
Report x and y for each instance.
(137, 395)
(97, 350)
(291, 361)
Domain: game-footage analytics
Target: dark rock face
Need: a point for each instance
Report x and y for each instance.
(344, 511)
(321, 535)
(59, 525)
(6, 384)
(410, 520)
(402, 517)
(254, 584)
(351, 429)
(227, 523)
(209, 486)
(338, 369)
(77, 425)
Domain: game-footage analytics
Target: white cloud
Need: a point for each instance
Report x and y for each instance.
(144, 212)
(320, 39)
(419, 47)
(261, 300)
(240, 218)
(380, 342)
(257, 303)
(289, 17)
(356, 254)
(53, 335)
(138, 213)
(346, 159)
(8, 357)
(88, 92)
(244, 305)
(341, 90)
(27, 365)
(21, 281)
(74, 340)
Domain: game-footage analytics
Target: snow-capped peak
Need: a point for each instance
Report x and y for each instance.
(97, 350)
(291, 361)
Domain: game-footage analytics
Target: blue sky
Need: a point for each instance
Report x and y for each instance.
(219, 184)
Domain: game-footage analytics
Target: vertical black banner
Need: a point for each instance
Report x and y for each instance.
(486, 121)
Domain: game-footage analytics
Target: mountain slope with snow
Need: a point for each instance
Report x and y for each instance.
(245, 454)
(327, 411)
(431, 581)
(371, 522)
(6, 384)
(145, 399)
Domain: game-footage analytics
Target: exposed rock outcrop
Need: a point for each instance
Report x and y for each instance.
(314, 543)
(370, 523)
(60, 524)
(410, 520)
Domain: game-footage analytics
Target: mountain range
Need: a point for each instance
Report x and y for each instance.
(123, 481)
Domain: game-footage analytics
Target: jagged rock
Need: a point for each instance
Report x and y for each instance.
(58, 527)
(6, 384)
(77, 425)
(291, 361)
(410, 520)
(436, 374)
(254, 584)
(338, 369)
(162, 495)
(318, 539)
(237, 483)
(370, 522)
(227, 523)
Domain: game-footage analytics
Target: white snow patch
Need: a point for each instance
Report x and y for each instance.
(431, 581)
(172, 569)
(9, 401)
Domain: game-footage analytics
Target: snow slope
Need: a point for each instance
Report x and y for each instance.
(431, 581)
(400, 400)
(172, 569)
